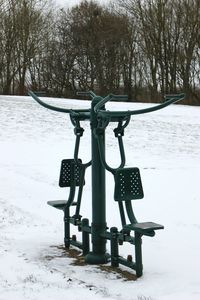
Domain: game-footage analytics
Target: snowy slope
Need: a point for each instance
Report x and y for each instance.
(164, 145)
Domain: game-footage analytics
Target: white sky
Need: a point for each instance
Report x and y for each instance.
(74, 2)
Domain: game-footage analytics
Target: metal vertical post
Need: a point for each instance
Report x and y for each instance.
(98, 226)
(114, 247)
(85, 237)
(138, 254)
(66, 227)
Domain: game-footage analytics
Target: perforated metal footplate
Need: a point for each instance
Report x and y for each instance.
(128, 185)
(69, 172)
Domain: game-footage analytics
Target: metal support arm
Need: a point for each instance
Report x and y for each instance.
(170, 99)
(55, 108)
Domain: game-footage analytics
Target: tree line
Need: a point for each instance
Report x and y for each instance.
(144, 49)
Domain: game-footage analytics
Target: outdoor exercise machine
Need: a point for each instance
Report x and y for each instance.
(128, 184)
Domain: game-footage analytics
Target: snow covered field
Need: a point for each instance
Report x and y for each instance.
(165, 145)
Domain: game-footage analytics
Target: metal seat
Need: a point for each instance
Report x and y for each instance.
(128, 186)
(71, 175)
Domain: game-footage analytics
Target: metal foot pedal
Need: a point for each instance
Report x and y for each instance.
(59, 204)
(146, 228)
(128, 184)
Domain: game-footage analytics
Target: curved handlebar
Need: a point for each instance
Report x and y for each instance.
(55, 108)
(106, 113)
(169, 100)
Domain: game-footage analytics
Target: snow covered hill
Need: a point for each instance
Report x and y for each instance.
(165, 145)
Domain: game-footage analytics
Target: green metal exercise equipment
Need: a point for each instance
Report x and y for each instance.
(128, 185)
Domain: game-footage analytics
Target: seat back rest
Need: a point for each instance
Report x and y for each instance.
(128, 184)
(69, 172)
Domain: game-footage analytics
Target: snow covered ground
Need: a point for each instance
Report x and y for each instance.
(165, 145)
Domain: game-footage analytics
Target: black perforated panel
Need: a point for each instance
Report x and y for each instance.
(128, 185)
(69, 171)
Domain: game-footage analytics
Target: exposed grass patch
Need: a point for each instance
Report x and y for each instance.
(79, 260)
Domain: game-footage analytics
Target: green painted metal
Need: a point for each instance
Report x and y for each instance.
(138, 254)
(128, 184)
(169, 99)
(66, 227)
(55, 108)
(98, 254)
(114, 247)
(85, 236)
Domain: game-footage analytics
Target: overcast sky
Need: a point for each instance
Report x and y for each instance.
(68, 2)
(73, 2)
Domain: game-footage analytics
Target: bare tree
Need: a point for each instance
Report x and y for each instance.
(189, 46)
(169, 37)
(8, 34)
(29, 21)
(142, 48)
(98, 34)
